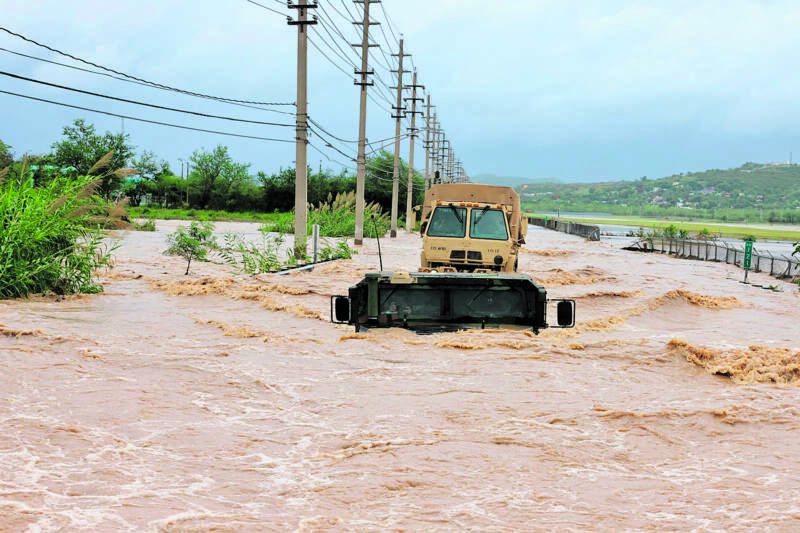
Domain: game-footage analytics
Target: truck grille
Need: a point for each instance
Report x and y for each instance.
(457, 254)
(475, 256)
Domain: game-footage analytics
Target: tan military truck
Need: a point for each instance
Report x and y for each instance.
(471, 227)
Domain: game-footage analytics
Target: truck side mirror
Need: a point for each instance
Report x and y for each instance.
(565, 312)
(341, 309)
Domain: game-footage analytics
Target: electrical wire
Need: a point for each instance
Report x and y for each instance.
(329, 133)
(145, 120)
(98, 73)
(326, 156)
(332, 62)
(267, 8)
(141, 80)
(196, 113)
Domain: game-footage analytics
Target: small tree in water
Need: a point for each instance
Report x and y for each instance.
(193, 244)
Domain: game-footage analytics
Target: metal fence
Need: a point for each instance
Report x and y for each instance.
(779, 266)
(573, 228)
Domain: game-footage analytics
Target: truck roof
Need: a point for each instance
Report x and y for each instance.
(472, 192)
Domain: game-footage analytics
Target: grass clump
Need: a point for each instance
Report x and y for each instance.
(148, 225)
(336, 218)
(50, 239)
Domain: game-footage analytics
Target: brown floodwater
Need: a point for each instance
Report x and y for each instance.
(221, 402)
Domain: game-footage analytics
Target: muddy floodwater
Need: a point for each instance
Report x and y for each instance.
(222, 402)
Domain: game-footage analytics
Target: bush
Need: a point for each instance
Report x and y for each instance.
(193, 244)
(336, 218)
(150, 225)
(49, 237)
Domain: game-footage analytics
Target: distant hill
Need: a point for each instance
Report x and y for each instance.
(509, 181)
(753, 185)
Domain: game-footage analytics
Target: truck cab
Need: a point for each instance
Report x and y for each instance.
(469, 227)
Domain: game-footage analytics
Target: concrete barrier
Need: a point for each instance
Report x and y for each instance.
(586, 231)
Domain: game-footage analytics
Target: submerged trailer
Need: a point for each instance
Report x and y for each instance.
(444, 301)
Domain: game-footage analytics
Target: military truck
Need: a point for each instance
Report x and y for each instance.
(470, 227)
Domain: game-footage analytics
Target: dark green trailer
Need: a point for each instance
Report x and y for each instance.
(441, 301)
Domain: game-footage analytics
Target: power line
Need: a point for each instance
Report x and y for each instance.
(389, 22)
(267, 8)
(98, 73)
(326, 156)
(196, 113)
(152, 83)
(329, 133)
(145, 120)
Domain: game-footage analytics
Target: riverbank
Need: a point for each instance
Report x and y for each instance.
(221, 401)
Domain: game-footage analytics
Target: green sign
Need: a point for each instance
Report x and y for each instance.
(748, 254)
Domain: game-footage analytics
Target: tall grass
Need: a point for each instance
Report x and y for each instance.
(336, 218)
(49, 236)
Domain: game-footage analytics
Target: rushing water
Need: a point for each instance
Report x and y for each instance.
(227, 403)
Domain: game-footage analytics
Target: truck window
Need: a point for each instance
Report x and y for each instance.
(488, 224)
(448, 221)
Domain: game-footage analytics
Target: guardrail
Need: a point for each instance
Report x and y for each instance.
(587, 231)
(779, 266)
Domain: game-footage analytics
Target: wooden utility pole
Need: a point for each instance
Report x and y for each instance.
(398, 116)
(362, 123)
(301, 159)
(412, 138)
(428, 145)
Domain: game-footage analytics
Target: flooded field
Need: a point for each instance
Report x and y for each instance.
(220, 402)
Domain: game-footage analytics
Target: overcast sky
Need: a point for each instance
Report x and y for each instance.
(537, 88)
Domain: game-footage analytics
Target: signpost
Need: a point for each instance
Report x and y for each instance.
(748, 258)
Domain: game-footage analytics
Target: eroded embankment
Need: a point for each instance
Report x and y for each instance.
(755, 364)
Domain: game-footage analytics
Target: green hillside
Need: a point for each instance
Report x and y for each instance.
(508, 181)
(754, 192)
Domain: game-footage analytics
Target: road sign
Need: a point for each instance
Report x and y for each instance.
(748, 254)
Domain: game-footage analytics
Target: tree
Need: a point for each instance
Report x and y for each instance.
(82, 148)
(147, 166)
(192, 244)
(214, 176)
(6, 157)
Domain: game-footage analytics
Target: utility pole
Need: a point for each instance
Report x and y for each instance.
(442, 157)
(413, 129)
(301, 168)
(450, 161)
(428, 145)
(362, 122)
(434, 149)
(398, 109)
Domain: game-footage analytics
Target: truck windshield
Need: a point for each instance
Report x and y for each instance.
(488, 224)
(448, 221)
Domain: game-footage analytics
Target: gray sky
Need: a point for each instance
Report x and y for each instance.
(538, 88)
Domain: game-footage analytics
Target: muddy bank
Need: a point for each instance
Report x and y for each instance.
(223, 402)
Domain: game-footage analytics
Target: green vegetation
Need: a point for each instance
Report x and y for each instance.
(49, 236)
(193, 243)
(163, 213)
(148, 225)
(264, 257)
(216, 188)
(751, 193)
(336, 218)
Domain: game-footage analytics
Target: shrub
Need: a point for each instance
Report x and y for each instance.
(336, 218)
(193, 244)
(49, 236)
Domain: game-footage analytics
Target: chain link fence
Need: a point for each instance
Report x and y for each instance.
(779, 266)
(587, 231)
